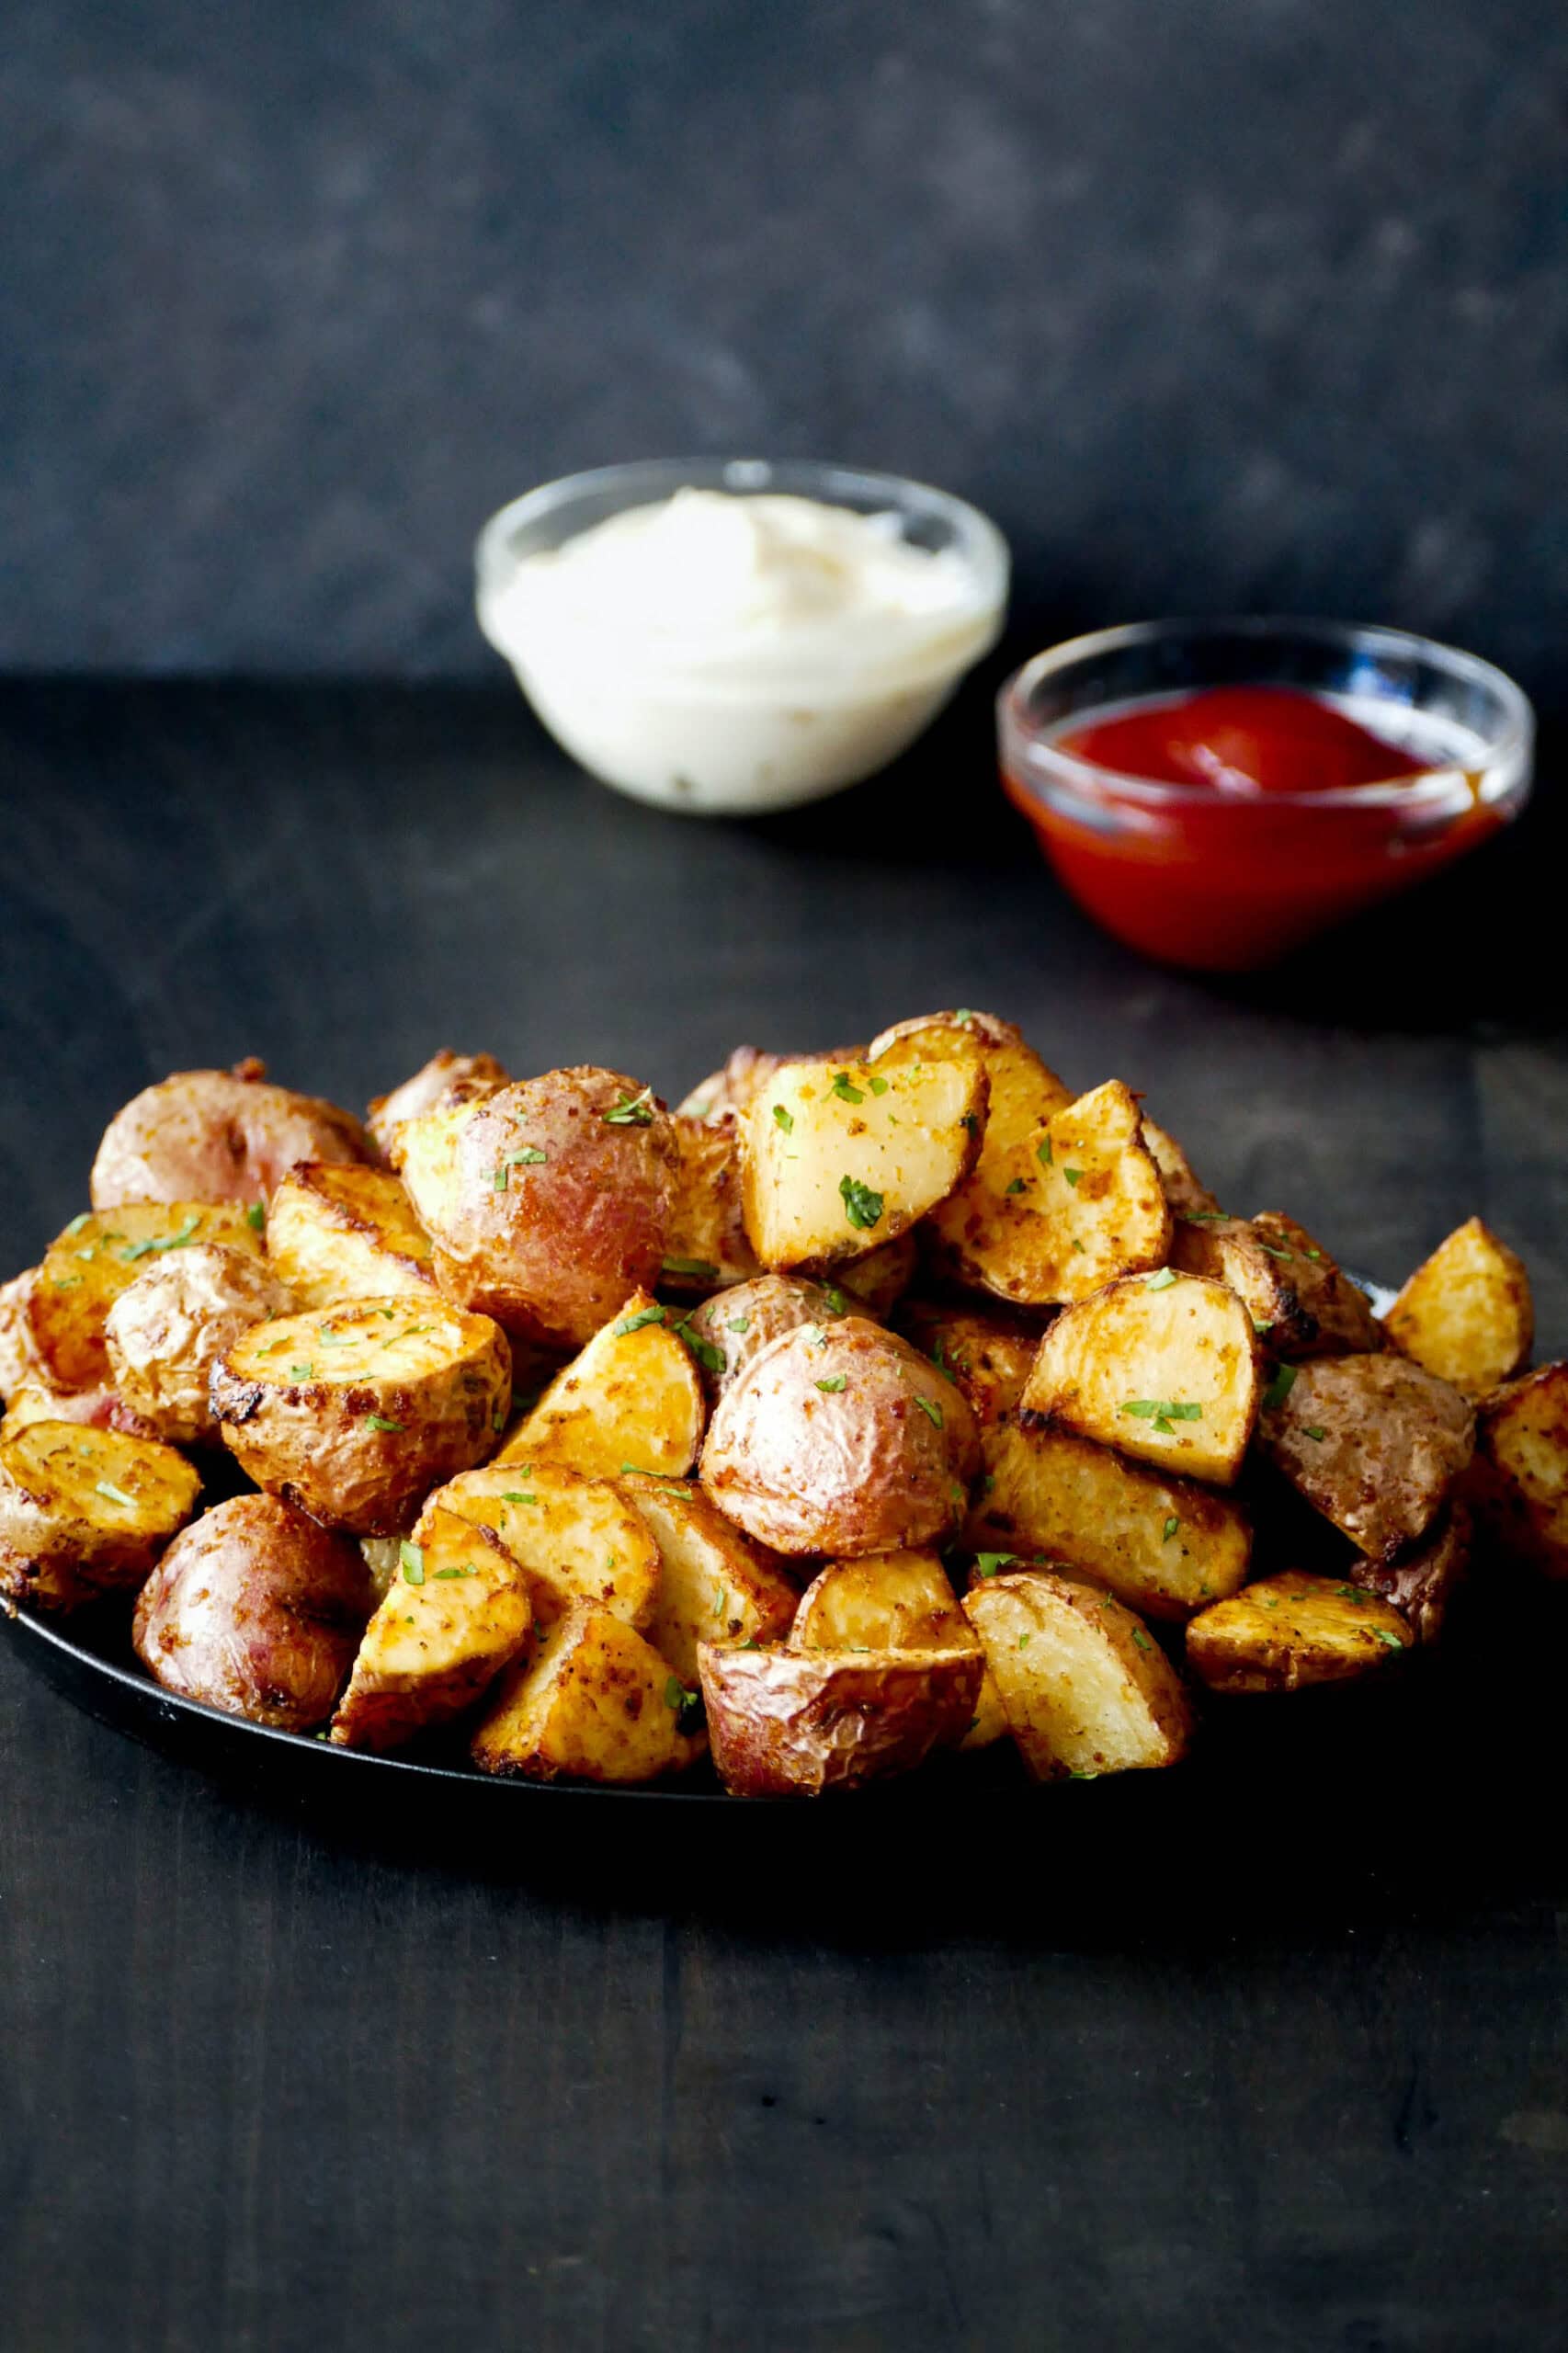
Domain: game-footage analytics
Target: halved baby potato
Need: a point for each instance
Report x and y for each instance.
(797, 1724)
(217, 1135)
(1289, 1630)
(86, 1511)
(577, 1539)
(1519, 1479)
(1466, 1314)
(355, 1412)
(167, 1330)
(1301, 1303)
(838, 1160)
(1085, 1688)
(1166, 1546)
(596, 1701)
(715, 1585)
(1374, 1442)
(337, 1232)
(1160, 1365)
(728, 1330)
(98, 1256)
(894, 1601)
(443, 1079)
(457, 1611)
(633, 1396)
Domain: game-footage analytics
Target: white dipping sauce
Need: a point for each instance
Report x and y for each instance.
(723, 652)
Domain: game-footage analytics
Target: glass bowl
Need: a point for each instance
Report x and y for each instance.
(1223, 881)
(715, 744)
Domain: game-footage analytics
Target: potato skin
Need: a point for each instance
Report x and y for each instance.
(438, 1081)
(875, 1465)
(738, 1324)
(165, 1333)
(707, 1240)
(217, 1135)
(65, 1537)
(19, 1358)
(798, 1723)
(1420, 1582)
(1300, 1304)
(256, 1610)
(548, 1247)
(1374, 1442)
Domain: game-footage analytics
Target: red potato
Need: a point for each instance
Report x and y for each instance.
(734, 1327)
(841, 1438)
(441, 1080)
(165, 1333)
(798, 1723)
(86, 1511)
(548, 1202)
(217, 1135)
(256, 1610)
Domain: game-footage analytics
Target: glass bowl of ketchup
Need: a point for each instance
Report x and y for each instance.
(1218, 792)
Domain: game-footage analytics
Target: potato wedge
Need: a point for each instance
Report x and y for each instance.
(100, 1409)
(838, 1160)
(1185, 1196)
(445, 1077)
(631, 1397)
(19, 1359)
(1300, 1304)
(731, 1329)
(217, 1135)
(1081, 1203)
(1085, 1688)
(578, 1539)
(460, 1609)
(1519, 1479)
(256, 1610)
(1466, 1314)
(355, 1412)
(168, 1329)
(1374, 1442)
(548, 1200)
(987, 1355)
(705, 1245)
(336, 1233)
(894, 1601)
(1420, 1582)
(1287, 1632)
(86, 1511)
(841, 1438)
(797, 1724)
(732, 1087)
(715, 1585)
(1163, 1366)
(596, 1701)
(1165, 1546)
(97, 1258)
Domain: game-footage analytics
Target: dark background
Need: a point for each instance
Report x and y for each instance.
(1215, 303)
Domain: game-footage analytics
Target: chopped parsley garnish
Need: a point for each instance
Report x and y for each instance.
(877, 1085)
(1279, 1388)
(700, 1269)
(683, 1701)
(1315, 1256)
(835, 1383)
(78, 1222)
(1042, 1153)
(301, 1372)
(529, 1157)
(1160, 1280)
(710, 1359)
(862, 1206)
(631, 1111)
(412, 1559)
(930, 1408)
(1272, 1247)
(668, 1478)
(1077, 1244)
(738, 1324)
(844, 1091)
(517, 1495)
(115, 1494)
(1262, 1324)
(1315, 1433)
(781, 1119)
(635, 1323)
(1393, 1641)
(255, 1218)
(455, 1573)
(836, 1303)
(1074, 1177)
(988, 1563)
(1024, 1641)
(380, 1422)
(1142, 1639)
(964, 1018)
(1017, 1186)
(135, 1250)
(1170, 1528)
(1163, 1412)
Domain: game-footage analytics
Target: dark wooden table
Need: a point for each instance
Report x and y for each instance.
(1180, 2078)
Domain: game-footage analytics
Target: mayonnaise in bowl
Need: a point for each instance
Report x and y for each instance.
(729, 648)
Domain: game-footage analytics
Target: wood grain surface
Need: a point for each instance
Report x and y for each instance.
(270, 2080)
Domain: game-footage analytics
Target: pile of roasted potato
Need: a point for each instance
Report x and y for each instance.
(868, 1405)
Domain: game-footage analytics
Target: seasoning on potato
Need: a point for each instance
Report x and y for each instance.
(632, 1394)
(86, 1268)
(460, 1609)
(1466, 1314)
(597, 1701)
(1286, 1631)
(86, 1511)
(1374, 1443)
(336, 1233)
(1085, 1688)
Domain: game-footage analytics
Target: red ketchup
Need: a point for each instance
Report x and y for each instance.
(1241, 867)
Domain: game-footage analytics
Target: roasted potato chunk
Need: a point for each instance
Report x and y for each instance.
(19, 1359)
(705, 1245)
(632, 1398)
(1519, 1480)
(838, 1160)
(987, 1355)
(1163, 1366)
(878, 1281)
(1185, 1196)
(797, 1724)
(217, 1135)
(1372, 1442)
(734, 1327)
(96, 1258)
(597, 1701)
(1420, 1582)
(444, 1078)
(1466, 1314)
(1085, 1688)
(86, 1511)
(256, 1610)
(1289, 1630)
(548, 1200)
(168, 1329)
(1082, 1202)
(460, 1609)
(336, 1233)
(1165, 1546)
(715, 1585)
(894, 1601)
(1300, 1304)
(577, 1539)
(355, 1412)
(100, 1409)
(841, 1438)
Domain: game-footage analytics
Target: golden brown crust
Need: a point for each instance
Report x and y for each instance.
(86, 1511)
(1519, 1481)
(1301, 1303)
(1085, 1688)
(597, 1701)
(1467, 1314)
(335, 1231)
(986, 1352)
(1287, 1631)
(98, 1256)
